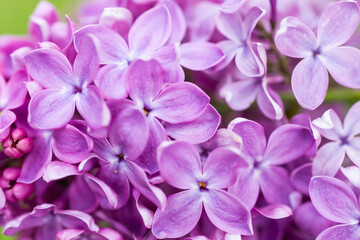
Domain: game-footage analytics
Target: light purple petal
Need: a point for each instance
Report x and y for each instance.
(352, 173)
(70, 144)
(111, 81)
(227, 213)
(76, 219)
(288, 143)
(118, 19)
(51, 108)
(180, 102)
(15, 92)
(82, 197)
(181, 214)
(178, 21)
(200, 55)
(198, 130)
(102, 189)
(328, 159)
(275, 211)
(2, 199)
(6, 119)
(248, 195)
(232, 26)
(295, 39)
(93, 108)
(150, 31)
(56, 170)
(146, 214)
(329, 125)
(179, 164)
(113, 48)
(334, 200)
(300, 178)
(222, 166)
(353, 150)
(114, 176)
(87, 60)
(338, 23)
(252, 134)
(309, 82)
(231, 5)
(69, 234)
(248, 62)
(343, 65)
(139, 180)
(241, 94)
(345, 231)
(351, 122)
(144, 80)
(252, 18)
(270, 102)
(129, 133)
(35, 162)
(50, 68)
(157, 135)
(274, 183)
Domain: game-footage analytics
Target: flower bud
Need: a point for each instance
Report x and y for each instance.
(22, 190)
(17, 143)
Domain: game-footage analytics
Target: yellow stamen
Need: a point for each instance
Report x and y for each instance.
(202, 184)
(115, 171)
(146, 112)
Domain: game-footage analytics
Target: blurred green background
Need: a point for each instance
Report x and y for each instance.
(14, 14)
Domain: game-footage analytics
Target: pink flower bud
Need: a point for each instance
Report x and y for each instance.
(18, 133)
(11, 173)
(17, 143)
(22, 190)
(25, 145)
(13, 152)
(10, 196)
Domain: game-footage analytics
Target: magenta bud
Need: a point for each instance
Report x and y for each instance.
(13, 152)
(9, 196)
(11, 173)
(7, 142)
(18, 133)
(22, 190)
(25, 145)
(4, 183)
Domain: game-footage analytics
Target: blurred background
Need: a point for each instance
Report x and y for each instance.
(14, 14)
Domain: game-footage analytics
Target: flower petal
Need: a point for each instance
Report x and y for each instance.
(150, 31)
(343, 65)
(352, 173)
(178, 21)
(102, 189)
(181, 214)
(50, 68)
(2, 199)
(56, 170)
(180, 102)
(87, 60)
(300, 178)
(352, 120)
(199, 56)
(328, 159)
(222, 166)
(248, 62)
(252, 134)
(139, 180)
(344, 231)
(111, 81)
(35, 162)
(70, 144)
(93, 108)
(51, 108)
(270, 102)
(15, 92)
(309, 82)
(231, 26)
(294, 38)
(353, 150)
(275, 211)
(198, 130)
(129, 133)
(179, 164)
(76, 219)
(288, 143)
(248, 195)
(333, 199)
(227, 213)
(338, 23)
(82, 197)
(144, 80)
(6, 119)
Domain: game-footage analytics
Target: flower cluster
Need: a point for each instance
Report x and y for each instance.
(108, 131)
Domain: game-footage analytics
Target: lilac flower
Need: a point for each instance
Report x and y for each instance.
(240, 94)
(12, 95)
(310, 78)
(238, 29)
(103, 234)
(47, 220)
(334, 200)
(65, 88)
(180, 110)
(285, 144)
(180, 166)
(343, 140)
(128, 136)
